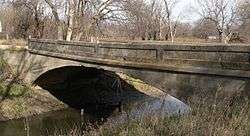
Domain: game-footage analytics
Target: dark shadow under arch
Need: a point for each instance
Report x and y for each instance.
(91, 89)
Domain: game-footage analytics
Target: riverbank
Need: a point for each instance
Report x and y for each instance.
(32, 102)
(220, 117)
(208, 121)
(18, 100)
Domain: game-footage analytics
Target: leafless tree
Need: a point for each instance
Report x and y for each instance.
(57, 19)
(222, 13)
(183, 30)
(82, 17)
(169, 7)
(144, 19)
(204, 28)
(24, 17)
(244, 16)
(102, 10)
(135, 18)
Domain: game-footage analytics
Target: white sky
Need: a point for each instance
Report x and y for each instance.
(185, 9)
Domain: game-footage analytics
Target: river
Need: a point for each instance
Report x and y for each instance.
(68, 119)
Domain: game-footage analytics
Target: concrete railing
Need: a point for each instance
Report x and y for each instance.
(215, 56)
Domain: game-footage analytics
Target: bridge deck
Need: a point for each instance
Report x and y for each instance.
(216, 60)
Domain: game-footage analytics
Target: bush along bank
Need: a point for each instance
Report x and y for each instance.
(18, 99)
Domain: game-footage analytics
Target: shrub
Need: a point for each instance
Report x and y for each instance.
(15, 90)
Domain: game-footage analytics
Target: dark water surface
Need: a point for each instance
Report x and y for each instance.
(68, 119)
(105, 98)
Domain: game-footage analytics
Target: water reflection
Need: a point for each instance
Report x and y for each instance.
(105, 98)
(68, 119)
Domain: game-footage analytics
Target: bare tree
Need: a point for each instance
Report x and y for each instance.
(222, 13)
(143, 19)
(203, 29)
(24, 17)
(57, 19)
(136, 18)
(169, 7)
(244, 10)
(244, 16)
(70, 14)
(82, 17)
(102, 10)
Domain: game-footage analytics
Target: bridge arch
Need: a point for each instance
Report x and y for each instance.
(87, 87)
(180, 85)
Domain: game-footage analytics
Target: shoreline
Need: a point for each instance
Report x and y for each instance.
(34, 102)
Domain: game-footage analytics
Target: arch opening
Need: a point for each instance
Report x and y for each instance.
(89, 88)
(102, 94)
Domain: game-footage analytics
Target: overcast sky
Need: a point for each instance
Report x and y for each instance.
(184, 8)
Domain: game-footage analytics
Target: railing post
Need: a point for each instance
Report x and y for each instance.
(28, 44)
(248, 57)
(159, 54)
(97, 49)
(56, 49)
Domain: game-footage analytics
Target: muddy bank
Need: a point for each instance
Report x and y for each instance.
(34, 102)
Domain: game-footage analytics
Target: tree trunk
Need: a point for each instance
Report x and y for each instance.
(58, 22)
(79, 36)
(161, 30)
(172, 36)
(59, 31)
(70, 20)
(171, 32)
(227, 37)
(220, 34)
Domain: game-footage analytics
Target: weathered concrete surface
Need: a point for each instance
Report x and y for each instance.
(180, 85)
(180, 79)
(218, 60)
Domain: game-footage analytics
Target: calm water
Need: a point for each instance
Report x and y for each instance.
(65, 120)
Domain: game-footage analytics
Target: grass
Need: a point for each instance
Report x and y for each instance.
(17, 99)
(16, 42)
(180, 40)
(9, 92)
(219, 118)
(213, 114)
(13, 45)
(16, 90)
(9, 86)
(209, 117)
(32, 102)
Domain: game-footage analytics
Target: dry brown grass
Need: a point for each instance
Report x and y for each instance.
(209, 117)
(14, 42)
(18, 99)
(206, 119)
(177, 40)
(24, 102)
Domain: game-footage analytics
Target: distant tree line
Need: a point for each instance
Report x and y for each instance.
(76, 20)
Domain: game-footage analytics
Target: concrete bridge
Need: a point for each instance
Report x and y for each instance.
(176, 68)
(179, 69)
